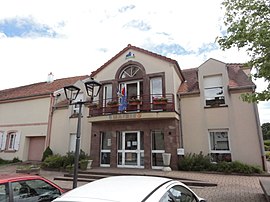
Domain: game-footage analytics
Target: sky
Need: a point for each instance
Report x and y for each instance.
(75, 37)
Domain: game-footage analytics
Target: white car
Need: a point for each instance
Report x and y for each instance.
(132, 189)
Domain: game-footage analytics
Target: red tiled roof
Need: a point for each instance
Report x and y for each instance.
(140, 50)
(191, 84)
(38, 89)
(237, 79)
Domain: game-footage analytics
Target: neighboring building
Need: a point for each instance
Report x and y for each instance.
(200, 110)
(215, 120)
(26, 118)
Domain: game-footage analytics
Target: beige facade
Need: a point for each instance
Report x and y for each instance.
(237, 119)
(27, 119)
(65, 121)
(199, 110)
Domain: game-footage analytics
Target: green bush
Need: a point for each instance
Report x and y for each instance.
(53, 161)
(46, 153)
(68, 159)
(199, 162)
(58, 161)
(266, 148)
(267, 142)
(16, 160)
(267, 154)
(83, 155)
(2, 161)
(195, 162)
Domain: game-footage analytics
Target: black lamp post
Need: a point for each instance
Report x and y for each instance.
(71, 93)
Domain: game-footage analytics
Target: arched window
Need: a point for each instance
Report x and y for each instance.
(130, 72)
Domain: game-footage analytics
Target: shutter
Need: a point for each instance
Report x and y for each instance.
(3, 139)
(17, 141)
(212, 81)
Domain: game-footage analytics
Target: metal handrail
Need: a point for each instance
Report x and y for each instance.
(141, 103)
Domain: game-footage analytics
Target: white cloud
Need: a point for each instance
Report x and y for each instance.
(91, 32)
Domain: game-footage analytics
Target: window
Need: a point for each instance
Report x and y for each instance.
(72, 142)
(12, 141)
(178, 193)
(213, 91)
(76, 106)
(220, 148)
(158, 148)
(130, 72)
(2, 140)
(107, 94)
(156, 87)
(106, 144)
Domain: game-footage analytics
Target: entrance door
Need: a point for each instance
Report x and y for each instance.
(130, 149)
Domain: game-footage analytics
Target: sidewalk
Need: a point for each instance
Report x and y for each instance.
(230, 188)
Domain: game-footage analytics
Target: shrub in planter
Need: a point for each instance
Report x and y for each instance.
(46, 153)
(68, 159)
(53, 161)
(83, 164)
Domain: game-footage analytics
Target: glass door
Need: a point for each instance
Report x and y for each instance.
(130, 149)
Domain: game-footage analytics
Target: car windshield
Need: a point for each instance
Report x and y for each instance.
(34, 190)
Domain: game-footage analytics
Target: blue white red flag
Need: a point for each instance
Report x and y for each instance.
(123, 100)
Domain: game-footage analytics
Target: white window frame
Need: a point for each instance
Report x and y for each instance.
(107, 94)
(13, 144)
(72, 142)
(75, 108)
(109, 144)
(139, 152)
(219, 151)
(3, 139)
(213, 85)
(155, 92)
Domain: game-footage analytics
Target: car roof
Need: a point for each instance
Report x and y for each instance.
(117, 188)
(16, 177)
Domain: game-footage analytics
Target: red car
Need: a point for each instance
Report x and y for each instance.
(22, 188)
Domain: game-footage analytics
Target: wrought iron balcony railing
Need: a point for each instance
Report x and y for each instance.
(142, 103)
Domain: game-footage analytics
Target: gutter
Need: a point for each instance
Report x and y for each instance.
(49, 128)
(180, 122)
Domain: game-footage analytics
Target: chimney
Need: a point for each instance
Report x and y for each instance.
(50, 78)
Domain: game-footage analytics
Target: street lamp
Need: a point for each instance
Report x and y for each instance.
(71, 93)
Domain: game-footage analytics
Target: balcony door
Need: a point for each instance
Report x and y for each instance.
(130, 149)
(133, 89)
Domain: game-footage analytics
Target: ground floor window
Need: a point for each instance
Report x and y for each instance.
(106, 144)
(219, 145)
(72, 142)
(10, 141)
(158, 148)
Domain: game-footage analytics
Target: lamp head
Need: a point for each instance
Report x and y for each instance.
(71, 92)
(90, 86)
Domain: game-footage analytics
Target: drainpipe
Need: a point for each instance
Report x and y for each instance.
(180, 122)
(260, 136)
(49, 128)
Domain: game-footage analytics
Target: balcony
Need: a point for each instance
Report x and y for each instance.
(144, 103)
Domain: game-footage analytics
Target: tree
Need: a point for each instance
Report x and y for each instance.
(266, 131)
(248, 27)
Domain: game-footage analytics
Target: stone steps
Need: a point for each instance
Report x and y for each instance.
(90, 176)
